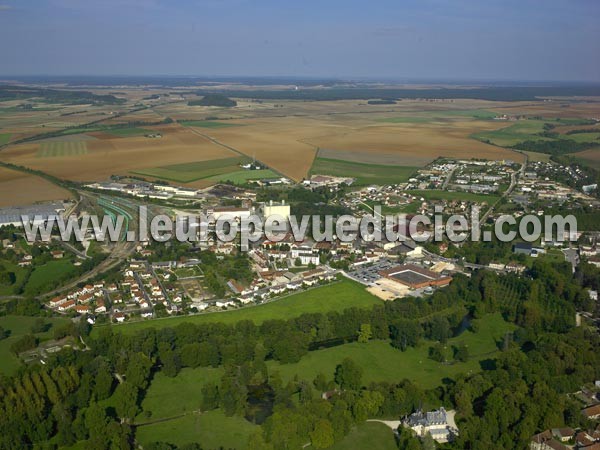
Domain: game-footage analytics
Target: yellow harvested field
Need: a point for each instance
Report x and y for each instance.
(417, 144)
(120, 156)
(289, 144)
(18, 188)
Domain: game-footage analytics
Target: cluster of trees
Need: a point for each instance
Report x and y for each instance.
(9, 92)
(493, 93)
(554, 147)
(519, 393)
(213, 100)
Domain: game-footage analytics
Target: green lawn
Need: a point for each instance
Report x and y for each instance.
(19, 272)
(364, 173)
(49, 275)
(4, 138)
(435, 194)
(382, 362)
(55, 149)
(186, 173)
(213, 430)
(334, 297)
(169, 397)
(19, 326)
(207, 124)
(368, 435)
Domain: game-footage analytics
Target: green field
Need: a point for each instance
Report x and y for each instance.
(212, 429)
(169, 397)
(55, 149)
(364, 173)
(49, 275)
(19, 275)
(434, 116)
(435, 194)
(368, 435)
(127, 131)
(529, 129)
(186, 173)
(19, 326)
(243, 176)
(382, 362)
(520, 131)
(4, 138)
(207, 124)
(583, 137)
(334, 297)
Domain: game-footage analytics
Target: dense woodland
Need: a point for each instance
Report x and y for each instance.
(8, 92)
(519, 393)
(213, 100)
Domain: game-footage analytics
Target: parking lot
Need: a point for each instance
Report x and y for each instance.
(368, 275)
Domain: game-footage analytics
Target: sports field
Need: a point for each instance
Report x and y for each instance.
(334, 297)
(55, 149)
(363, 173)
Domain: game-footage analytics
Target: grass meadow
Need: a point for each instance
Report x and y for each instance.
(364, 173)
(333, 297)
(189, 172)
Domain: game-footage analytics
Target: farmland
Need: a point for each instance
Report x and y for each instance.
(591, 157)
(18, 188)
(364, 173)
(285, 135)
(205, 124)
(120, 155)
(194, 171)
(226, 169)
(55, 149)
(334, 297)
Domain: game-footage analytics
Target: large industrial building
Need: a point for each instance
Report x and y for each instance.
(415, 277)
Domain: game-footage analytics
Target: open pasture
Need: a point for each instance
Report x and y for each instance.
(18, 188)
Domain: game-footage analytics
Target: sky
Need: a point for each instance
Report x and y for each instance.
(538, 40)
